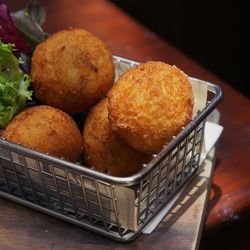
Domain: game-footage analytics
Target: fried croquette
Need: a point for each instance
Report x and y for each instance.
(47, 130)
(71, 70)
(150, 104)
(105, 150)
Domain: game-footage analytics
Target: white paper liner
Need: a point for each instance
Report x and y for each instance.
(130, 210)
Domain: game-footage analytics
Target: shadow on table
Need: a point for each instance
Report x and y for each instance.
(190, 195)
(215, 194)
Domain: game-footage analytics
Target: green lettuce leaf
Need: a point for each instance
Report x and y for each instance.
(13, 85)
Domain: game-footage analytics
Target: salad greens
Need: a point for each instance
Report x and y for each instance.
(22, 29)
(13, 85)
(29, 21)
(9, 33)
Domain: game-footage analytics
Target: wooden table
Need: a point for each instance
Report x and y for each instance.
(180, 229)
(230, 196)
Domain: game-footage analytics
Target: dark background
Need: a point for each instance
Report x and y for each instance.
(214, 33)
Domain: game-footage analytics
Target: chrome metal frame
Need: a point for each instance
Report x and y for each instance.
(87, 198)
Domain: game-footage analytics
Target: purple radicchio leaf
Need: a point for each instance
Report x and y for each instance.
(29, 22)
(8, 31)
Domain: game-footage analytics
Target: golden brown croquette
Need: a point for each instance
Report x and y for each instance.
(105, 150)
(149, 104)
(71, 70)
(48, 130)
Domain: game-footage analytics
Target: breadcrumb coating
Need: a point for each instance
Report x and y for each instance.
(105, 150)
(71, 70)
(150, 104)
(47, 130)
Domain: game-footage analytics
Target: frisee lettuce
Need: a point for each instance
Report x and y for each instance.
(13, 85)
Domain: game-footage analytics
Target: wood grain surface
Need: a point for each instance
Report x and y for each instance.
(230, 196)
(22, 228)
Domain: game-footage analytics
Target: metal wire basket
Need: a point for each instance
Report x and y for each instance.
(115, 207)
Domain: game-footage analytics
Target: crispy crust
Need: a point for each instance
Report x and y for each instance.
(105, 150)
(71, 70)
(149, 104)
(48, 130)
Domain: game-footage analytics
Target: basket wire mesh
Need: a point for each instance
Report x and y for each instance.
(88, 198)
